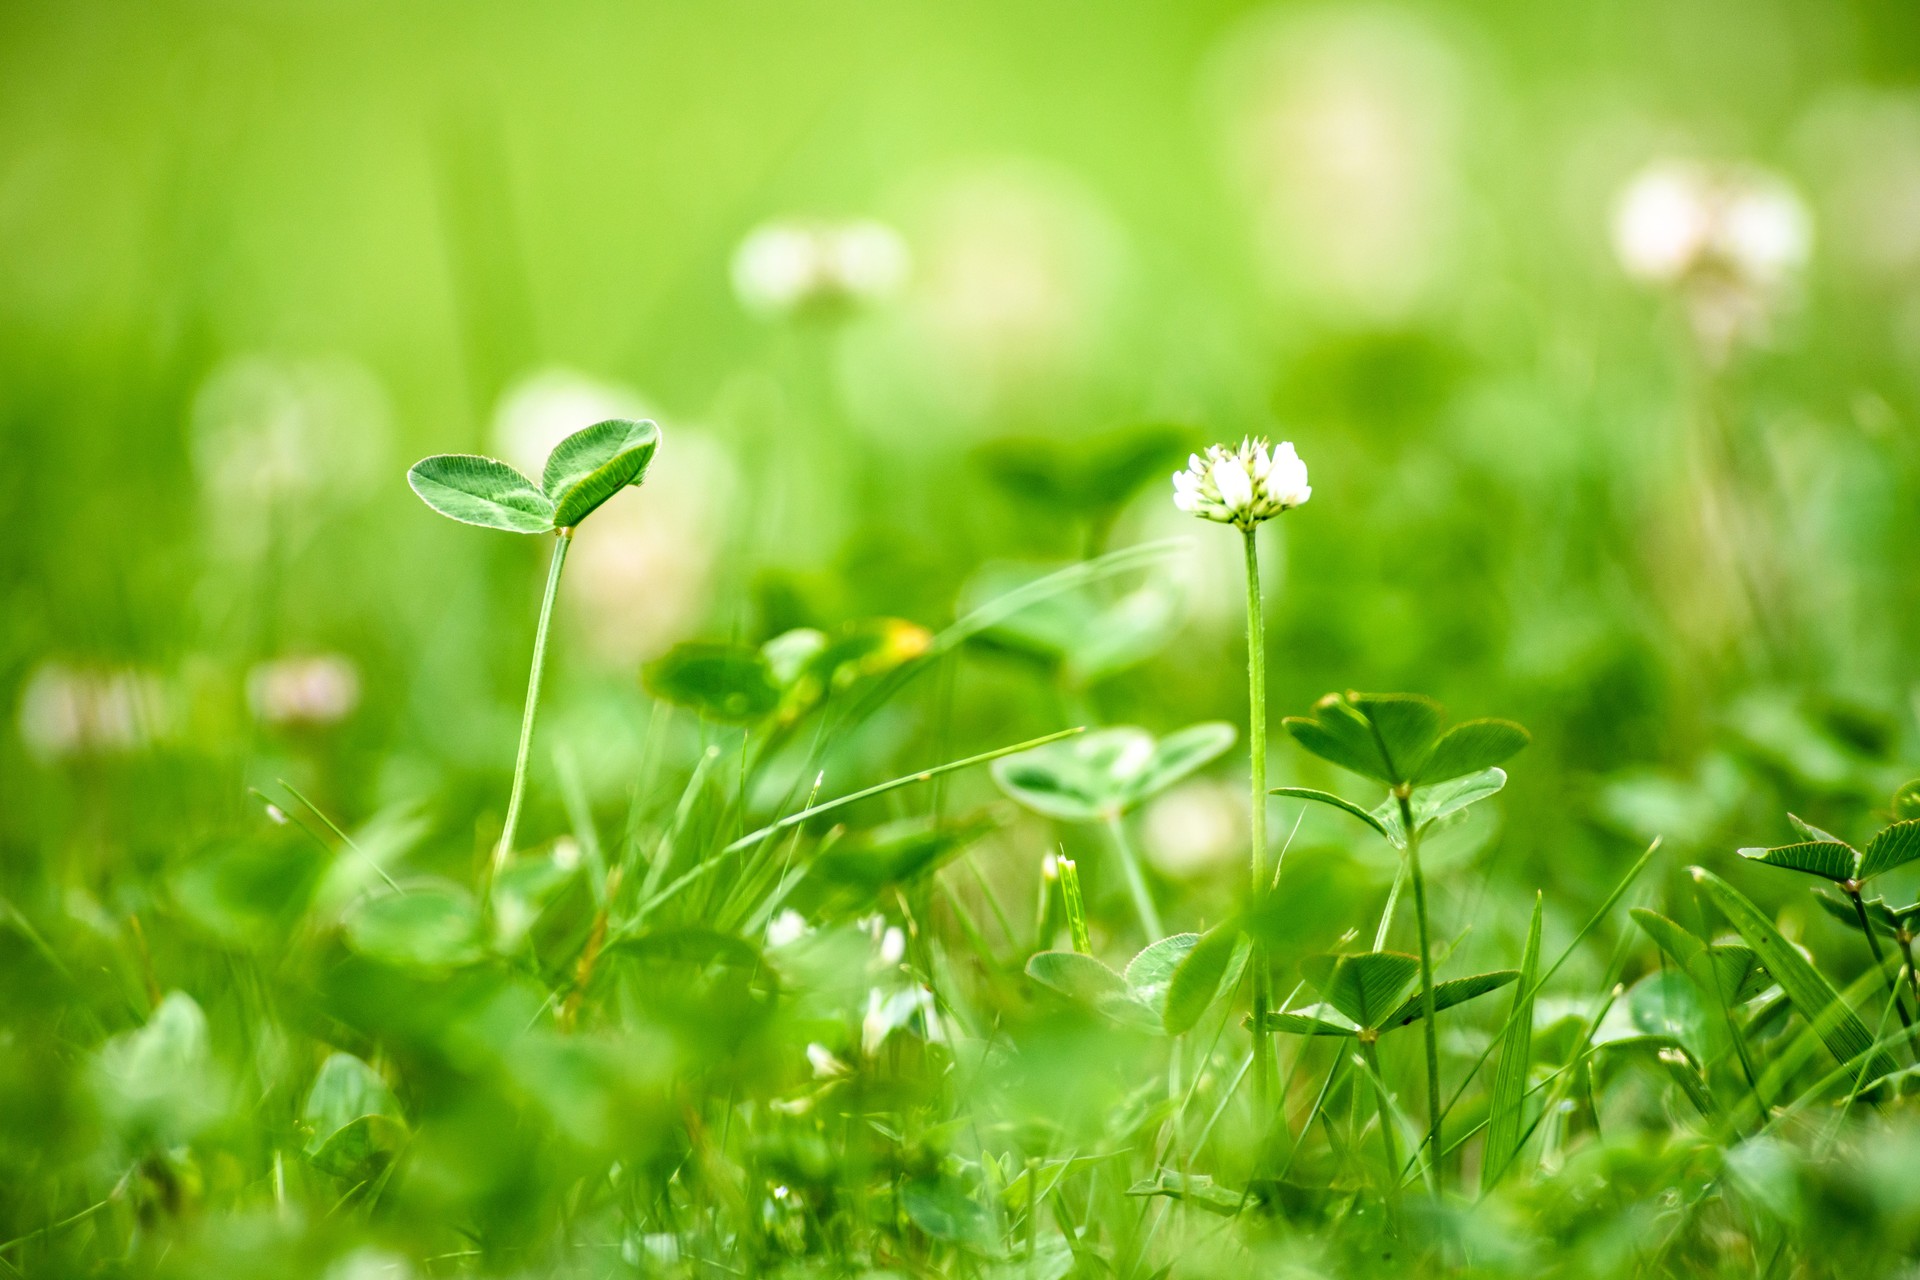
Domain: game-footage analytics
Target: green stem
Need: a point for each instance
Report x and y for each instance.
(1435, 1117)
(504, 849)
(1136, 880)
(1879, 960)
(1257, 758)
(1387, 1139)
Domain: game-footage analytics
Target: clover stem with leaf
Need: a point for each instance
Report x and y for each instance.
(1102, 776)
(582, 472)
(1396, 738)
(1245, 487)
(1827, 857)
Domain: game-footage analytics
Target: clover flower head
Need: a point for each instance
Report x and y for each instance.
(1242, 486)
(794, 267)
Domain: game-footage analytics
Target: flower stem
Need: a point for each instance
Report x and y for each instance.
(1257, 758)
(1436, 1149)
(504, 849)
(1136, 879)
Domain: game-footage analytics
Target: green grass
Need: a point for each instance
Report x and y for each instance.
(885, 869)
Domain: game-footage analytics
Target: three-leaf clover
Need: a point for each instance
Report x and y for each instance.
(1396, 738)
(1364, 996)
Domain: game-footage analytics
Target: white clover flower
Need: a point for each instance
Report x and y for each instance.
(1242, 486)
(788, 267)
(1730, 241)
(787, 927)
(316, 690)
(825, 1065)
(1677, 220)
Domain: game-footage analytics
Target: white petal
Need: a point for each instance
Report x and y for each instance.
(1235, 485)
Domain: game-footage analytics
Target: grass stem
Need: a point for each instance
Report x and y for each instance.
(1136, 879)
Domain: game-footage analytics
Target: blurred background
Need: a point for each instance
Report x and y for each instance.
(1598, 326)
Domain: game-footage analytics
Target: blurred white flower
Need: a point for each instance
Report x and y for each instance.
(1196, 829)
(1242, 486)
(893, 946)
(1730, 240)
(640, 577)
(310, 690)
(1342, 131)
(824, 1064)
(543, 408)
(791, 267)
(270, 436)
(67, 712)
(888, 1012)
(1676, 219)
(789, 926)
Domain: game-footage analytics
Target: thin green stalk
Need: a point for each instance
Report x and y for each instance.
(1257, 758)
(1371, 1053)
(1435, 1116)
(1879, 960)
(504, 849)
(1136, 879)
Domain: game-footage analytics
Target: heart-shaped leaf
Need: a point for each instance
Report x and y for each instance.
(1365, 987)
(1338, 733)
(728, 683)
(429, 926)
(1086, 981)
(1405, 727)
(1102, 774)
(590, 466)
(1178, 755)
(481, 491)
(1471, 746)
(1829, 861)
(1894, 847)
(1396, 738)
(353, 1119)
(1447, 994)
(1212, 965)
(1441, 800)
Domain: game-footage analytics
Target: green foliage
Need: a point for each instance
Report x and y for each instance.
(1396, 738)
(481, 491)
(425, 925)
(1812, 995)
(582, 472)
(592, 465)
(727, 683)
(1103, 774)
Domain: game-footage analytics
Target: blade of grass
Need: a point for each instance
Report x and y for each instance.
(893, 784)
(1510, 1079)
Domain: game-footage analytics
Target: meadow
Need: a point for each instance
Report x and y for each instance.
(1015, 641)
